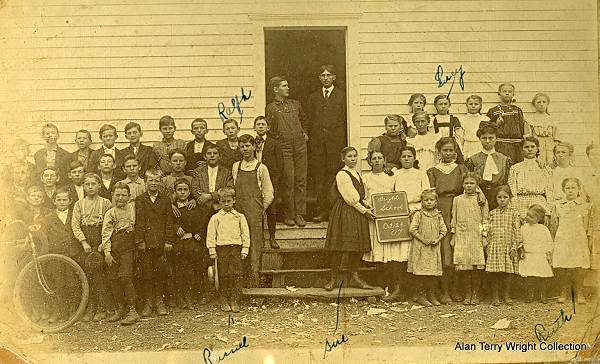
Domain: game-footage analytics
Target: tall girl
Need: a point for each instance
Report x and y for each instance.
(88, 216)
(470, 124)
(571, 254)
(504, 237)
(424, 141)
(378, 181)
(529, 180)
(447, 179)
(428, 229)
(536, 254)
(446, 124)
(543, 127)
(468, 231)
(348, 230)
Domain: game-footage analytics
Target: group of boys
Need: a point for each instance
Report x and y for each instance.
(170, 209)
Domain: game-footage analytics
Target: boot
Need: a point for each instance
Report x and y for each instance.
(181, 303)
(100, 314)
(529, 297)
(90, 311)
(564, 295)
(131, 317)
(543, 297)
(467, 289)
(476, 283)
(506, 292)
(431, 297)
(394, 296)
(355, 281)
(161, 310)
(223, 304)
(172, 302)
(580, 296)
(495, 295)
(333, 281)
(147, 310)
(117, 314)
(455, 287)
(421, 300)
(445, 297)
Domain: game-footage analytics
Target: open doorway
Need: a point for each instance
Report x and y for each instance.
(296, 54)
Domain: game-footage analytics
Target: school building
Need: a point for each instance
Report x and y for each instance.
(83, 63)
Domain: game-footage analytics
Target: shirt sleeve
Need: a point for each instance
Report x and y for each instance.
(425, 184)
(76, 222)
(348, 192)
(266, 186)
(108, 227)
(443, 228)
(414, 225)
(245, 234)
(211, 235)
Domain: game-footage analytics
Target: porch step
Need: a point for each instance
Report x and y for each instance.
(345, 292)
(295, 246)
(307, 270)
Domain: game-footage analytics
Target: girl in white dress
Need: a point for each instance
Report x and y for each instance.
(424, 141)
(536, 253)
(544, 128)
(470, 124)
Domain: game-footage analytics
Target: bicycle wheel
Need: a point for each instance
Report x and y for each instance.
(53, 297)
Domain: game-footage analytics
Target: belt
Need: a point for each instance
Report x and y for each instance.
(510, 141)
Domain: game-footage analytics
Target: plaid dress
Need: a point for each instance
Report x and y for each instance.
(504, 235)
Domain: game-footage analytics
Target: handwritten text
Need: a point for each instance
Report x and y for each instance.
(544, 334)
(329, 346)
(443, 79)
(206, 354)
(236, 106)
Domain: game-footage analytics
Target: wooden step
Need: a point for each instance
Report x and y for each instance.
(299, 245)
(309, 270)
(345, 292)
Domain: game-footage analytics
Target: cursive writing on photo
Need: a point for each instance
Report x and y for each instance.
(236, 106)
(208, 358)
(543, 334)
(443, 79)
(329, 346)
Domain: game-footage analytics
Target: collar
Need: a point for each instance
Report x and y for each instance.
(280, 102)
(149, 195)
(263, 137)
(232, 212)
(105, 148)
(330, 88)
(182, 204)
(53, 148)
(576, 201)
(211, 167)
(488, 152)
(201, 142)
(446, 167)
(432, 213)
(138, 180)
(64, 212)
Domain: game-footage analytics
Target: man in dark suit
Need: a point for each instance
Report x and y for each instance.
(326, 110)
(108, 135)
(196, 149)
(268, 152)
(143, 153)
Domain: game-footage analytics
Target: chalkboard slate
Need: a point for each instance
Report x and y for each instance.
(393, 229)
(390, 204)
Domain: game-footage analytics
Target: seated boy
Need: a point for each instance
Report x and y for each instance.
(118, 244)
(228, 241)
(136, 184)
(83, 139)
(108, 135)
(52, 155)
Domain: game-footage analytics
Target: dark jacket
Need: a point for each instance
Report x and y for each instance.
(60, 236)
(228, 155)
(107, 192)
(195, 159)
(272, 157)
(119, 159)
(146, 157)
(326, 122)
(88, 153)
(63, 160)
(154, 221)
(200, 183)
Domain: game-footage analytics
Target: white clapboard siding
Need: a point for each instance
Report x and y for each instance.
(83, 63)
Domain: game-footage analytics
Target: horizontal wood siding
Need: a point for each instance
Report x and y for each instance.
(83, 63)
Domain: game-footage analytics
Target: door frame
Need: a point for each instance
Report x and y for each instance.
(349, 21)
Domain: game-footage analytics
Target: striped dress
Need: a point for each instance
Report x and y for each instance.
(530, 183)
(467, 223)
(504, 235)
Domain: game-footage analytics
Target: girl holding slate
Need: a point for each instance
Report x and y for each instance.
(348, 230)
(390, 254)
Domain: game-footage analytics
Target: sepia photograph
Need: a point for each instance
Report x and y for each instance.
(281, 181)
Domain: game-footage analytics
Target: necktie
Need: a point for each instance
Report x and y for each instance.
(490, 168)
(259, 142)
(326, 94)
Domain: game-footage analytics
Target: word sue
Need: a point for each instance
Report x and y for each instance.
(443, 79)
(329, 346)
(206, 354)
(236, 106)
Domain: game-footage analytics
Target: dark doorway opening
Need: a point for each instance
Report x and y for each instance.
(297, 54)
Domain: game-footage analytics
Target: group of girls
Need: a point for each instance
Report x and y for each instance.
(531, 221)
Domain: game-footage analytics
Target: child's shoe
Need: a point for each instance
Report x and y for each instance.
(474, 299)
(507, 298)
(233, 304)
(564, 295)
(581, 298)
(394, 296)
(172, 301)
(445, 298)
(100, 315)
(147, 310)
(131, 317)
(182, 303)
(529, 297)
(161, 310)
(117, 314)
(432, 299)
(223, 304)
(421, 300)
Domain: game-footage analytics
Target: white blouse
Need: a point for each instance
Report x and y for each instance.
(347, 190)
(412, 181)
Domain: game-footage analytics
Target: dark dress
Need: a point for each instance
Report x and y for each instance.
(348, 229)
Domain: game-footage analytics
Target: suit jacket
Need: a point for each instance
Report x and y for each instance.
(88, 152)
(326, 122)
(63, 160)
(107, 192)
(60, 236)
(74, 197)
(476, 163)
(228, 155)
(95, 159)
(154, 221)
(200, 183)
(195, 159)
(272, 157)
(145, 156)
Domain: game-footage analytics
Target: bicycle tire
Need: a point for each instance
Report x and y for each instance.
(22, 276)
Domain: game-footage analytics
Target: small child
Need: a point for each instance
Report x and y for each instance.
(571, 254)
(83, 139)
(228, 241)
(543, 126)
(88, 216)
(536, 253)
(136, 184)
(188, 251)
(50, 180)
(470, 124)
(510, 123)
(196, 149)
(504, 237)
(118, 245)
(108, 136)
(229, 148)
(468, 230)
(143, 153)
(425, 261)
(391, 141)
(106, 165)
(52, 155)
(424, 141)
(75, 188)
(167, 128)
(254, 194)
